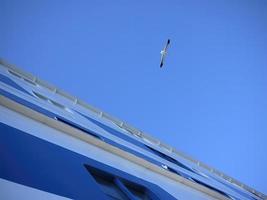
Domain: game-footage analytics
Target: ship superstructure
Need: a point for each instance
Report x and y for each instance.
(55, 146)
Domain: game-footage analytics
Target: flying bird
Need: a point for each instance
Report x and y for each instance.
(163, 53)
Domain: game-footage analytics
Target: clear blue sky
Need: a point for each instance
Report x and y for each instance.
(210, 99)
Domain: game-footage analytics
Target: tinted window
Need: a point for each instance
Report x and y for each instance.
(119, 188)
(170, 159)
(10, 82)
(109, 187)
(210, 187)
(76, 126)
(138, 191)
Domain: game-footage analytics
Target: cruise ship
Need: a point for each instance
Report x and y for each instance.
(55, 146)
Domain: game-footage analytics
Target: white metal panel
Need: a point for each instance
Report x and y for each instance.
(14, 191)
(42, 131)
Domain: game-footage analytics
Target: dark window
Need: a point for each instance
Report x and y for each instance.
(40, 96)
(76, 126)
(137, 191)
(11, 83)
(170, 159)
(169, 169)
(57, 104)
(119, 188)
(210, 187)
(109, 187)
(234, 188)
(14, 74)
(176, 172)
(29, 81)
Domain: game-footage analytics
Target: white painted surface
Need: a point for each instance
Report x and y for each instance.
(14, 191)
(84, 122)
(44, 132)
(52, 92)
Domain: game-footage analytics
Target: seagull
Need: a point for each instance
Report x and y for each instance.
(163, 53)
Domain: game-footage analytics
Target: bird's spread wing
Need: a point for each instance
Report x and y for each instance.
(164, 54)
(162, 60)
(167, 44)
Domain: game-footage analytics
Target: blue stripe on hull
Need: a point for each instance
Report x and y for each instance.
(33, 162)
(115, 132)
(53, 115)
(11, 83)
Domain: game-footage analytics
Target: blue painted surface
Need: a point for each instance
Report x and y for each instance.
(124, 189)
(26, 103)
(211, 187)
(115, 132)
(212, 89)
(170, 159)
(53, 115)
(75, 125)
(137, 143)
(239, 191)
(33, 162)
(164, 156)
(108, 129)
(11, 83)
